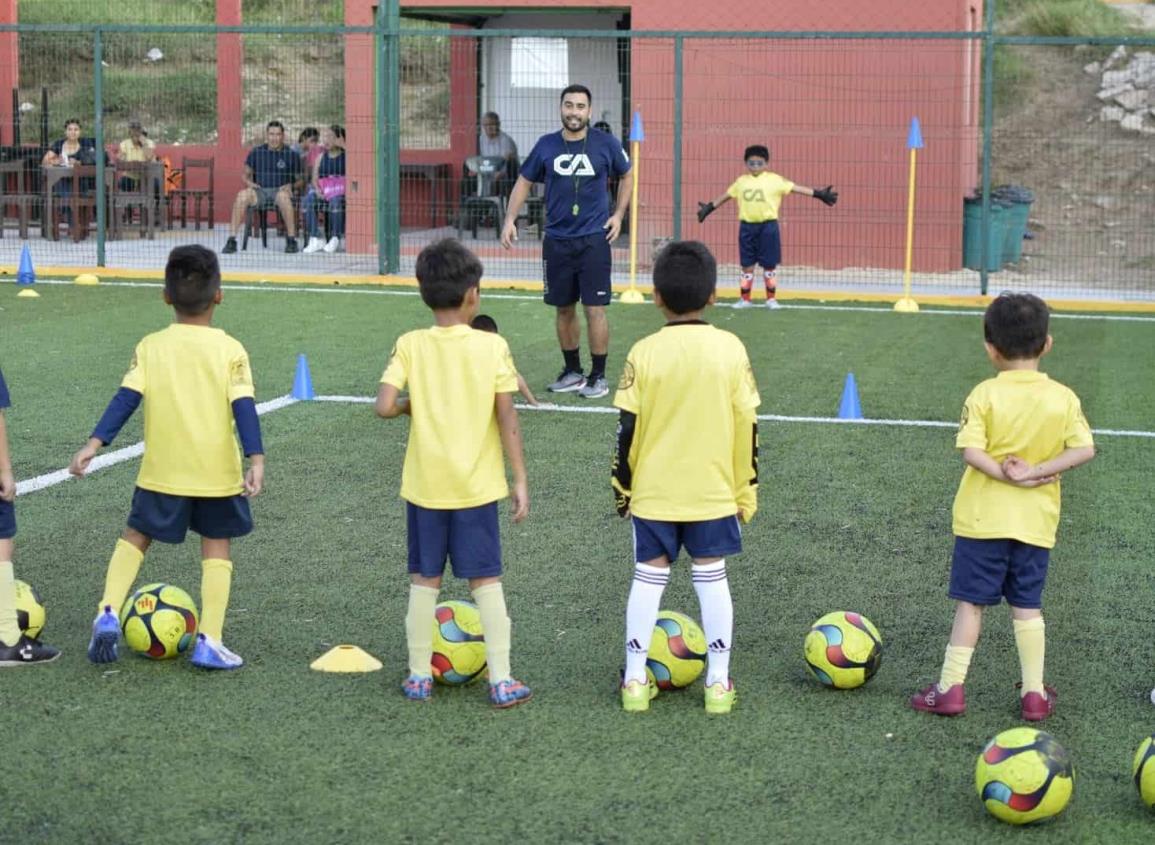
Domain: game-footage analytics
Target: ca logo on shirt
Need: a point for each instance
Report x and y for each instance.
(753, 195)
(569, 164)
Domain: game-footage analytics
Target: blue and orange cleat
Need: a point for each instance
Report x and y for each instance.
(509, 693)
(209, 653)
(102, 648)
(417, 687)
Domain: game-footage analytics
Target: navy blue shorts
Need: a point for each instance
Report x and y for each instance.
(577, 268)
(984, 571)
(759, 243)
(709, 538)
(468, 537)
(7, 520)
(168, 518)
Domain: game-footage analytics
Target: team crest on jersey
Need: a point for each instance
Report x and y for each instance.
(239, 372)
(571, 164)
(753, 195)
(965, 418)
(751, 382)
(133, 364)
(628, 377)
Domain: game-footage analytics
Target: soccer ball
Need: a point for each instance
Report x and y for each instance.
(843, 649)
(29, 610)
(159, 621)
(1023, 775)
(677, 653)
(1144, 771)
(458, 643)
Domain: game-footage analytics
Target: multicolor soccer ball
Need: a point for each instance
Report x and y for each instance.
(843, 649)
(159, 621)
(458, 643)
(1023, 775)
(677, 652)
(1143, 771)
(29, 610)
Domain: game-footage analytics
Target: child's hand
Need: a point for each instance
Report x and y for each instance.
(7, 485)
(255, 478)
(80, 461)
(520, 500)
(1015, 468)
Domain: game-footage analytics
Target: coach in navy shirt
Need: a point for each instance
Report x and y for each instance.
(271, 170)
(575, 165)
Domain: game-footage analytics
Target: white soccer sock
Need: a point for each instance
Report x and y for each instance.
(717, 618)
(641, 616)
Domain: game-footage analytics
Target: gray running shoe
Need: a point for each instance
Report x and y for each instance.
(595, 389)
(567, 382)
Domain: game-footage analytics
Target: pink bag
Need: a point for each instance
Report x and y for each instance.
(331, 186)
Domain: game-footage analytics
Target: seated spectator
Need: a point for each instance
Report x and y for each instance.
(327, 190)
(67, 151)
(271, 172)
(494, 142)
(309, 147)
(136, 147)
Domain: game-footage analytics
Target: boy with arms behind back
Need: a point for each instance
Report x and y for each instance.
(686, 466)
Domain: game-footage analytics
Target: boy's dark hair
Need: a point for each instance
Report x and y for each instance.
(275, 123)
(309, 132)
(338, 130)
(484, 323)
(445, 271)
(576, 89)
(758, 150)
(685, 274)
(192, 278)
(1016, 325)
(72, 121)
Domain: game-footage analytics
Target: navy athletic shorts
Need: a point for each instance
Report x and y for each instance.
(468, 537)
(759, 243)
(168, 518)
(984, 571)
(7, 520)
(708, 538)
(577, 268)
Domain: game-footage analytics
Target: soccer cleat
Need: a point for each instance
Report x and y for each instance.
(953, 702)
(773, 304)
(595, 388)
(417, 687)
(720, 698)
(636, 696)
(230, 246)
(743, 303)
(567, 382)
(102, 648)
(314, 245)
(333, 244)
(26, 652)
(1038, 706)
(509, 693)
(290, 245)
(211, 654)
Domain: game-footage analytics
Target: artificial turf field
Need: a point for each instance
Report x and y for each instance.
(851, 517)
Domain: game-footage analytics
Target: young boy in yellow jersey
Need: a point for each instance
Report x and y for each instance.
(460, 384)
(686, 465)
(759, 193)
(195, 382)
(485, 323)
(16, 649)
(1019, 432)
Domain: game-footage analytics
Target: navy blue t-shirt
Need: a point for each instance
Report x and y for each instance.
(4, 400)
(575, 173)
(273, 168)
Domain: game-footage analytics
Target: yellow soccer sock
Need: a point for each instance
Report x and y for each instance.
(9, 627)
(122, 570)
(1031, 640)
(419, 622)
(496, 626)
(954, 666)
(216, 578)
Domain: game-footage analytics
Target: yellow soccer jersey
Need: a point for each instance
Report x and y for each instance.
(759, 196)
(454, 458)
(189, 377)
(1024, 413)
(694, 394)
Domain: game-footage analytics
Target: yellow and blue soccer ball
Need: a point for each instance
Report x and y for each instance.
(1023, 775)
(458, 643)
(843, 649)
(677, 652)
(1143, 771)
(159, 621)
(29, 610)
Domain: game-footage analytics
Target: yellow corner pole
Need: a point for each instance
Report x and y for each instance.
(633, 296)
(907, 305)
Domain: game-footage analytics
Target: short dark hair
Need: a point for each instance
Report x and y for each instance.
(275, 123)
(446, 270)
(758, 150)
(576, 89)
(685, 274)
(338, 130)
(1016, 325)
(309, 132)
(71, 121)
(192, 278)
(484, 323)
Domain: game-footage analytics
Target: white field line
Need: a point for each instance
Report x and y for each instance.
(796, 306)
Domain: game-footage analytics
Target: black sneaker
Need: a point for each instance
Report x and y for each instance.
(230, 246)
(290, 244)
(27, 651)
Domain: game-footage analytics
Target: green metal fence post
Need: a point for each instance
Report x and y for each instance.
(678, 78)
(98, 112)
(389, 131)
(988, 131)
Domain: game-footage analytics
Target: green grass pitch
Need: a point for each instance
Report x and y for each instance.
(852, 517)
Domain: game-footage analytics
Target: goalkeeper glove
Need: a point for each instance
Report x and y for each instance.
(705, 209)
(828, 195)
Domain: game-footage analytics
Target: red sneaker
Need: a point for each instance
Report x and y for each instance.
(953, 702)
(1038, 706)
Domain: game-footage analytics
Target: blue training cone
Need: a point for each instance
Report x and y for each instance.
(26, 275)
(302, 381)
(850, 408)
